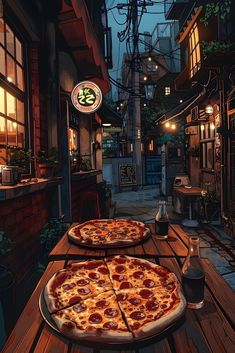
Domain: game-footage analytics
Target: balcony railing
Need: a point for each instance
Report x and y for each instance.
(173, 8)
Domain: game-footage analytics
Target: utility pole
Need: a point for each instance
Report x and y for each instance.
(136, 118)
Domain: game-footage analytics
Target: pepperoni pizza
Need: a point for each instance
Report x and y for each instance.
(119, 299)
(109, 232)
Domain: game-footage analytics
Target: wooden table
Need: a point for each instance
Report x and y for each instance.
(190, 193)
(175, 245)
(207, 330)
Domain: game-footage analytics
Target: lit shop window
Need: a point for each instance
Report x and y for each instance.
(73, 140)
(194, 51)
(12, 95)
(207, 143)
(167, 90)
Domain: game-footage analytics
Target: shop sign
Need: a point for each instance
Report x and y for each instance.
(127, 174)
(86, 97)
(191, 130)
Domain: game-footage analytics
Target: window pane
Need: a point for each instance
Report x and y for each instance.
(2, 30)
(2, 132)
(18, 51)
(11, 106)
(20, 79)
(2, 62)
(11, 76)
(206, 131)
(11, 132)
(20, 111)
(10, 40)
(210, 155)
(2, 100)
(21, 136)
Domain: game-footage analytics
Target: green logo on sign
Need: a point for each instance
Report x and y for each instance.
(86, 97)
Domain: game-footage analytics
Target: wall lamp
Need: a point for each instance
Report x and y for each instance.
(209, 109)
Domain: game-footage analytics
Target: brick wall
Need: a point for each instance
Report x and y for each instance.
(22, 219)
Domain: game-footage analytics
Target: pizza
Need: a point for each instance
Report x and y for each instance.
(87, 300)
(109, 232)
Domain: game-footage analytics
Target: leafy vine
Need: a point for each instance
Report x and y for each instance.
(221, 8)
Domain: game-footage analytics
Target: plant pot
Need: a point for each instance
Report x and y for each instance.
(45, 170)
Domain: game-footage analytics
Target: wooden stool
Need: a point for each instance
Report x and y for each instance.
(89, 206)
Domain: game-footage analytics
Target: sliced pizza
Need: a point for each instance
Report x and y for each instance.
(128, 272)
(149, 311)
(94, 318)
(76, 283)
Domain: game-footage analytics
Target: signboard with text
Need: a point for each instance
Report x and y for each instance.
(86, 97)
(127, 174)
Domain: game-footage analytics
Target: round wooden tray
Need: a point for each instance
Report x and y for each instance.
(109, 246)
(134, 343)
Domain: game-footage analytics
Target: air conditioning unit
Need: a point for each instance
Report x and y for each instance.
(194, 113)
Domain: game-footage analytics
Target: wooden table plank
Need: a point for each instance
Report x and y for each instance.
(48, 342)
(223, 294)
(180, 233)
(176, 244)
(30, 321)
(214, 323)
(160, 347)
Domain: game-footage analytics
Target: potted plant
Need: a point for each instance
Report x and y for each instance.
(20, 158)
(46, 162)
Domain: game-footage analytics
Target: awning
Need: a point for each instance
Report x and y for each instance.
(181, 109)
(78, 31)
(108, 115)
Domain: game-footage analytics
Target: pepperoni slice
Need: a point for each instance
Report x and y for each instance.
(121, 260)
(68, 286)
(94, 275)
(151, 305)
(102, 304)
(69, 325)
(110, 325)
(83, 291)
(82, 282)
(125, 285)
(135, 326)
(156, 317)
(102, 283)
(118, 278)
(111, 312)
(146, 293)
(149, 283)
(138, 274)
(121, 297)
(95, 318)
(75, 299)
(79, 308)
(163, 306)
(92, 265)
(137, 315)
(120, 269)
(134, 301)
(103, 270)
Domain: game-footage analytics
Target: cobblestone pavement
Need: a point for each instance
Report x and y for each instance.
(215, 244)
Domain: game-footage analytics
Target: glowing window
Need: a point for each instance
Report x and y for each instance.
(194, 51)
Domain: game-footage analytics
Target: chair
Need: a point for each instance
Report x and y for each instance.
(89, 206)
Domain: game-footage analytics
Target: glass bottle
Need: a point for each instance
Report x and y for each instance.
(193, 276)
(162, 221)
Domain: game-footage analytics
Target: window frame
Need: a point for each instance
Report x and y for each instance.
(12, 88)
(205, 141)
(194, 51)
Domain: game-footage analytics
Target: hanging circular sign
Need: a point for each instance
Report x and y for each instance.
(86, 97)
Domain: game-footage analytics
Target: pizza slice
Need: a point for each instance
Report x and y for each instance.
(94, 318)
(88, 234)
(149, 311)
(76, 283)
(127, 272)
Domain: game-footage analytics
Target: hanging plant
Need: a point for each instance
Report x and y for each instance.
(216, 8)
(215, 46)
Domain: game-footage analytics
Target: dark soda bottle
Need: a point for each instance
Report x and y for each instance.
(193, 276)
(162, 221)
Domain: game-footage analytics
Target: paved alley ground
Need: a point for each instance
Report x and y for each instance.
(215, 244)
